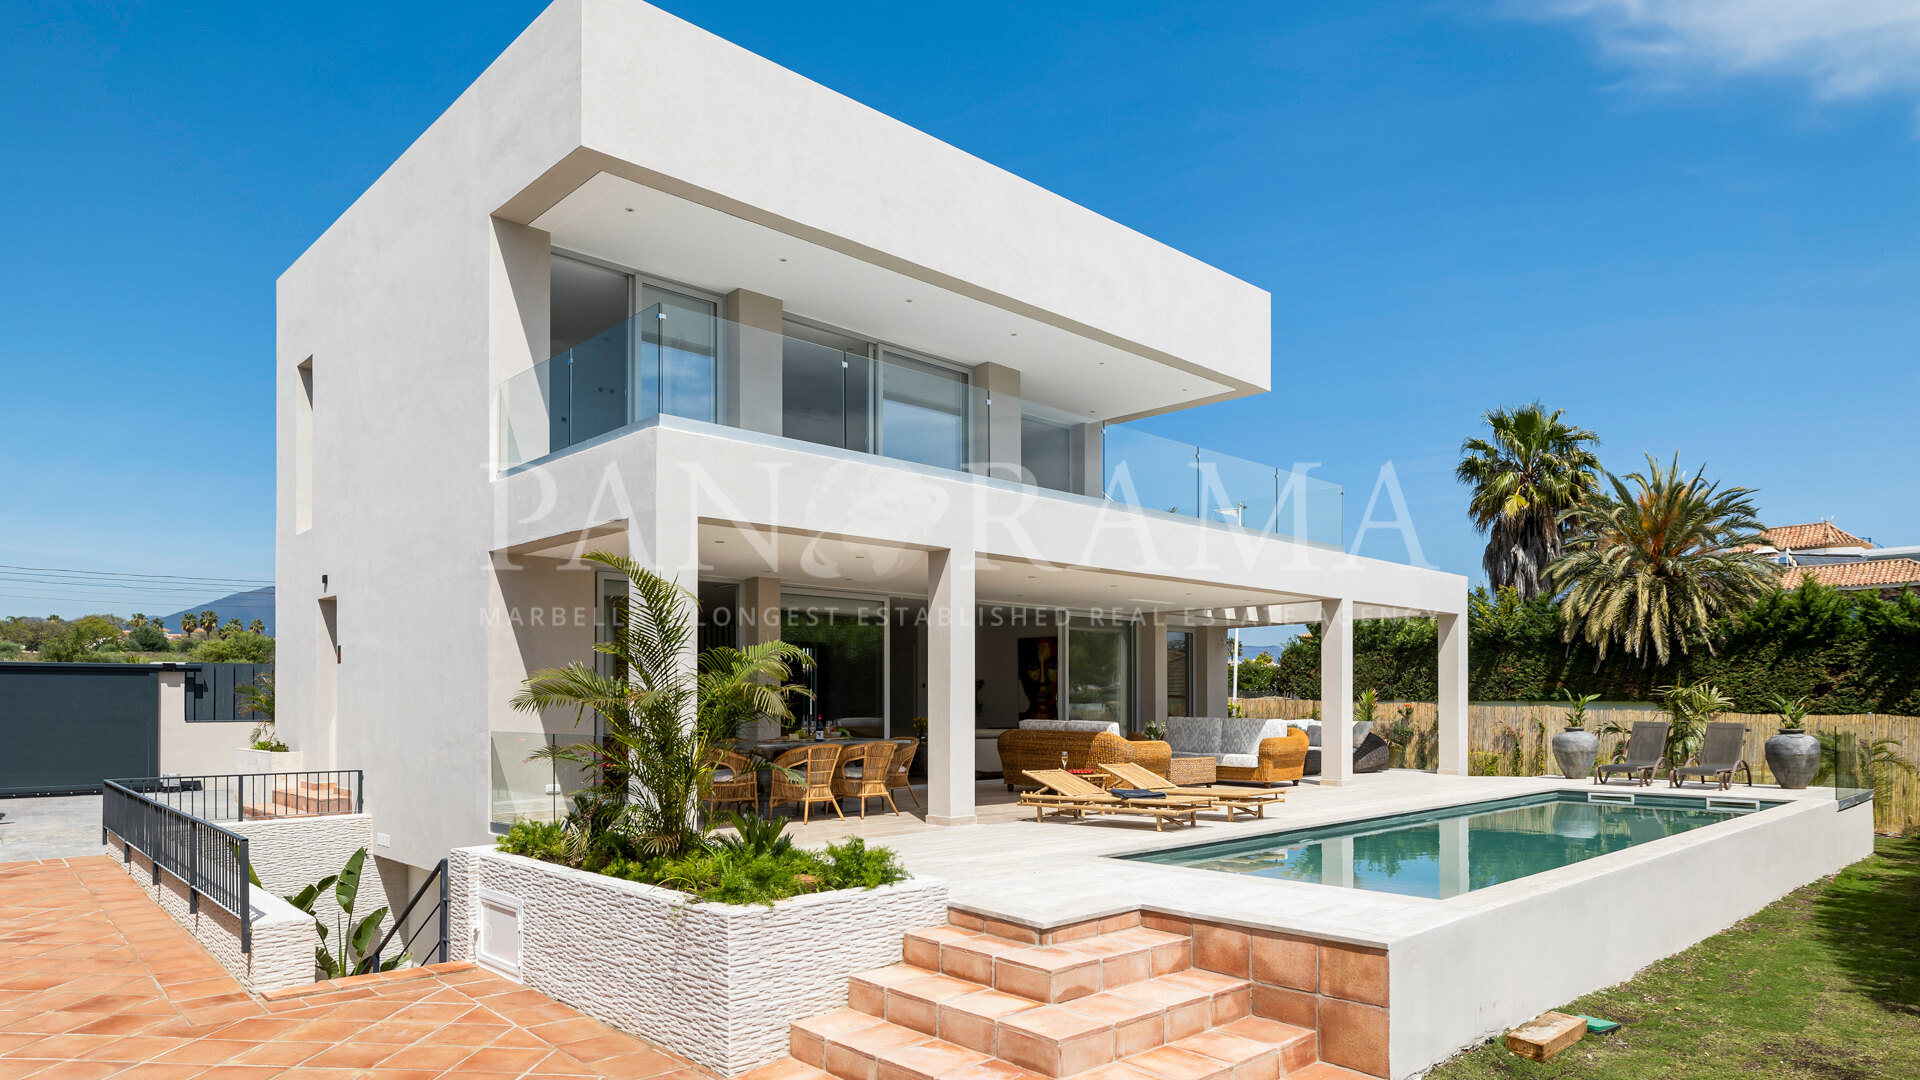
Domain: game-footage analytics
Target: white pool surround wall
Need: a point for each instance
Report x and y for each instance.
(1461, 981)
(283, 937)
(718, 983)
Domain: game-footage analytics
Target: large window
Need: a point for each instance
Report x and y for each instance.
(824, 387)
(1046, 452)
(923, 412)
(1099, 675)
(679, 354)
(846, 637)
(1179, 673)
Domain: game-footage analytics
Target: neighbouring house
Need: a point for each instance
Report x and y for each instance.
(1823, 552)
(639, 289)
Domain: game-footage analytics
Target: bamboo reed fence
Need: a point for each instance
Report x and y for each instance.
(1510, 738)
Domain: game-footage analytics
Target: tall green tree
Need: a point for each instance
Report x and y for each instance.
(209, 622)
(1526, 477)
(1657, 560)
(664, 720)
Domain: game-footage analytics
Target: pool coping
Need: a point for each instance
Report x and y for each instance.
(1057, 889)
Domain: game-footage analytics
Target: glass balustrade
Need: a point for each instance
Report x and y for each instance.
(676, 360)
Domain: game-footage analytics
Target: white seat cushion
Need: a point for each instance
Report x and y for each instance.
(1240, 761)
(1111, 727)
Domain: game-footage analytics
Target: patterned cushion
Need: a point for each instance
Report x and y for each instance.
(1071, 725)
(1189, 735)
(1241, 735)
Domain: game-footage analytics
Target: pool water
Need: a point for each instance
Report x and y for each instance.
(1457, 849)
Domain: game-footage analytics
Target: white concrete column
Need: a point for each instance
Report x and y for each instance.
(1336, 692)
(753, 352)
(1453, 706)
(1089, 467)
(1210, 671)
(996, 445)
(950, 664)
(1151, 653)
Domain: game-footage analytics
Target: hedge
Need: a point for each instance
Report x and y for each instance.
(1849, 652)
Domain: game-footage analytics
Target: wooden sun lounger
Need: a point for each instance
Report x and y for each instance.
(1071, 796)
(1236, 801)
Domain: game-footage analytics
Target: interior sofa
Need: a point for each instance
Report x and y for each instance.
(1248, 750)
(1038, 744)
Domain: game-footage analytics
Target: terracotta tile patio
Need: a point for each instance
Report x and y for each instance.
(97, 981)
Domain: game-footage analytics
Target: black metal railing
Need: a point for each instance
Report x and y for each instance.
(436, 916)
(211, 861)
(257, 796)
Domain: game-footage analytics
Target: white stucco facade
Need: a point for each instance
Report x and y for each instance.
(422, 572)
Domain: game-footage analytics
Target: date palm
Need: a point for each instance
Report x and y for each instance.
(1657, 560)
(1526, 477)
(664, 717)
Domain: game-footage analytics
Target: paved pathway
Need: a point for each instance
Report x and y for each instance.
(97, 981)
(55, 827)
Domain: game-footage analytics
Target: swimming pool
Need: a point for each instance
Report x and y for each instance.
(1457, 849)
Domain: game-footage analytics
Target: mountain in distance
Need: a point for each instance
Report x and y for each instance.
(245, 606)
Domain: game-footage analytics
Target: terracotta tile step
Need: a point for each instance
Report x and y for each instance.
(1320, 1070)
(1050, 973)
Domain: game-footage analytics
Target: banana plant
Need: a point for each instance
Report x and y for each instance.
(352, 939)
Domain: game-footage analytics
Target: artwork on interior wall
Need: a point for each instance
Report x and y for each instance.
(1040, 677)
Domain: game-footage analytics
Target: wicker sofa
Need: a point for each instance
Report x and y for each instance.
(1024, 748)
(1249, 750)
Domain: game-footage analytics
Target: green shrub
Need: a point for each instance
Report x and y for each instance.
(236, 648)
(536, 840)
(11, 650)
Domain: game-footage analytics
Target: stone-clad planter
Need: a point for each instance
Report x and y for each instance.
(718, 983)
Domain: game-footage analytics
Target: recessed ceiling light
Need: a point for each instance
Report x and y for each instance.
(783, 259)
(909, 299)
(629, 209)
(1015, 333)
(719, 541)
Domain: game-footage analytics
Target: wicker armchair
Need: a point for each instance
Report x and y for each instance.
(862, 774)
(898, 778)
(814, 784)
(1022, 750)
(1282, 758)
(735, 780)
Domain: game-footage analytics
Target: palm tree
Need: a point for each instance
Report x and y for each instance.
(1656, 563)
(209, 622)
(1525, 480)
(664, 721)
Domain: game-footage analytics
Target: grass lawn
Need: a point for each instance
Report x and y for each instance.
(1824, 984)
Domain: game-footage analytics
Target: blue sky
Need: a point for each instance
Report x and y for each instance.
(1696, 228)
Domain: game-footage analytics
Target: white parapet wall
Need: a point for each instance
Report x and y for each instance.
(283, 937)
(1594, 924)
(719, 983)
(290, 854)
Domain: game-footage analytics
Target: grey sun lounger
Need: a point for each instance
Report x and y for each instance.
(1646, 751)
(1719, 756)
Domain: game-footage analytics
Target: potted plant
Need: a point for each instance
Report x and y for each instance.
(1793, 755)
(1576, 748)
(265, 752)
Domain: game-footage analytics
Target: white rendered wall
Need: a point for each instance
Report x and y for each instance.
(292, 853)
(199, 748)
(1462, 982)
(283, 937)
(718, 983)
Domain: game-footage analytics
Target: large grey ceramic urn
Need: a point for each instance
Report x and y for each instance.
(1793, 756)
(1575, 750)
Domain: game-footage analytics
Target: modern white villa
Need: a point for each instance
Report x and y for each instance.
(641, 291)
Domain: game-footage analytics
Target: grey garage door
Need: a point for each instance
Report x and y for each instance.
(66, 727)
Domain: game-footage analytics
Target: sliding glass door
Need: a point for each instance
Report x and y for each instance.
(1099, 676)
(679, 354)
(923, 412)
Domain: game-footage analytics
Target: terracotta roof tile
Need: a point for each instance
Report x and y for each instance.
(1863, 574)
(1818, 534)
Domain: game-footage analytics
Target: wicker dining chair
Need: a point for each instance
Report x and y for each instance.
(814, 766)
(898, 776)
(862, 774)
(736, 780)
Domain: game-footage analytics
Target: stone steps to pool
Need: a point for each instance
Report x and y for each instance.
(1109, 999)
